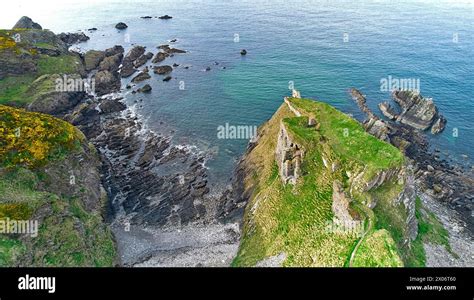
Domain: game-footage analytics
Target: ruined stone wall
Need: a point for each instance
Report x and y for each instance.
(288, 156)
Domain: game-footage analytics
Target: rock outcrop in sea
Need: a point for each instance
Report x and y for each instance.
(435, 176)
(418, 112)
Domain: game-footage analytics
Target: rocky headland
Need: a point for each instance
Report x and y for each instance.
(307, 192)
(151, 184)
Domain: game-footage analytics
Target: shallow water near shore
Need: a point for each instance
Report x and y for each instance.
(302, 42)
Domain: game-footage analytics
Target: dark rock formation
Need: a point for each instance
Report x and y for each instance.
(141, 77)
(145, 89)
(73, 38)
(50, 100)
(159, 57)
(388, 111)
(114, 50)
(417, 112)
(134, 58)
(167, 78)
(165, 17)
(438, 125)
(127, 69)
(109, 106)
(26, 23)
(92, 59)
(135, 53)
(154, 182)
(435, 176)
(111, 63)
(121, 26)
(140, 61)
(161, 70)
(362, 103)
(175, 50)
(107, 82)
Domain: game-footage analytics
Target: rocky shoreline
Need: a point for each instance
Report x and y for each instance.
(161, 207)
(437, 177)
(153, 185)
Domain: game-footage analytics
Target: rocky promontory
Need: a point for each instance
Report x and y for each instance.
(418, 112)
(435, 176)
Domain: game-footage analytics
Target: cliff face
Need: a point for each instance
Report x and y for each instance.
(49, 174)
(331, 195)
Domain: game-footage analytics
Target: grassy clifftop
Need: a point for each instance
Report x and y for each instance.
(48, 173)
(25, 55)
(296, 221)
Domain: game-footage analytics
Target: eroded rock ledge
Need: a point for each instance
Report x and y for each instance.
(435, 176)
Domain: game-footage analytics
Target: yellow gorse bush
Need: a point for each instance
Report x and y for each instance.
(31, 139)
(7, 43)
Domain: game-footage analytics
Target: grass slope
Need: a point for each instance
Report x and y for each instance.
(68, 234)
(293, 219)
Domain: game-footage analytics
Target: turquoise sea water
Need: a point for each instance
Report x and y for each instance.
(299, 41)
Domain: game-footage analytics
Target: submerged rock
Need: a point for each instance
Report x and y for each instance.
(145, 89)
(438, 125)
(121, 26)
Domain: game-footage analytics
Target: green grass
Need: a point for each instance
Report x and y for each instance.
(378, 249)
(13, 89)
(292, 219)
(348, 137)
(430, 230)
(10, 250)
(63, 64)
(68, 234)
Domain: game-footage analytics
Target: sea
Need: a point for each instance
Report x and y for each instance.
(322, 48)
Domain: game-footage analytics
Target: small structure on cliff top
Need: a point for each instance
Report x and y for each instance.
(295, 94)
(312, 122)
(289, 156)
